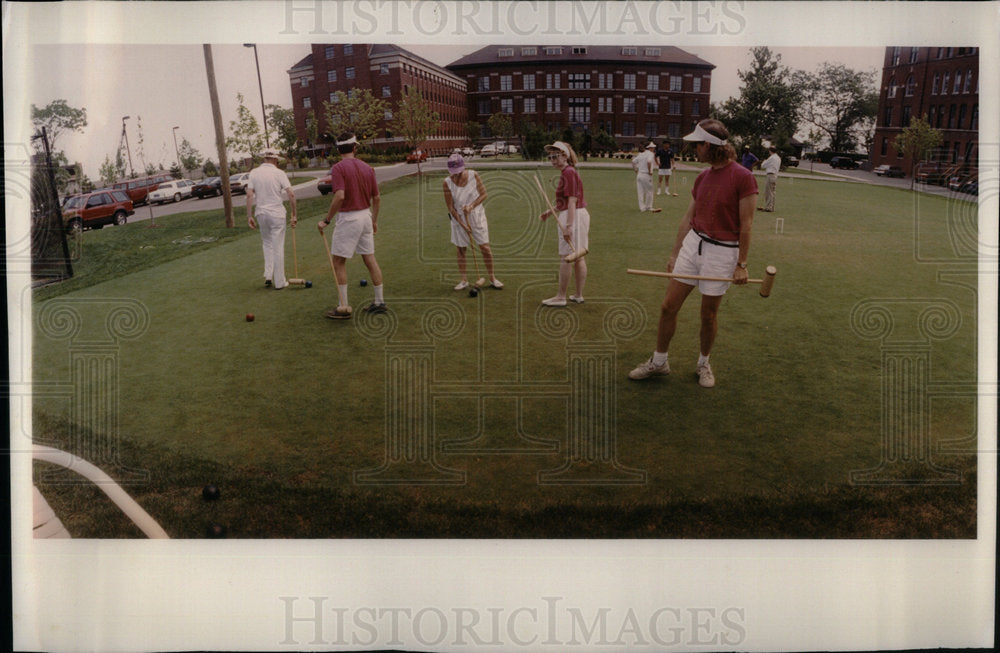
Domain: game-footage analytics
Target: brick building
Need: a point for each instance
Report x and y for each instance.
(386, 70)
(939, 83)
(634, 93)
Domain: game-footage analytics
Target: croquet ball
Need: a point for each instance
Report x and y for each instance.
(309, 284)
(363, 282)
(215, 531)
(473, 292)
(249, 317)
(210, 492)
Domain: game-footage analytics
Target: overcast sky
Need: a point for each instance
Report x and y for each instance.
(166, 86)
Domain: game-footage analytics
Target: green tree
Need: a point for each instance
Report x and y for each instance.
(918, 141)
(191, 158)
(108, 171)
(840, 102)
(501, 126)
(358, 112)
(767, 104)
(472, 131)
(211, 170)
(58, 118)
(414, 120)
(245, 136)
(281, 127)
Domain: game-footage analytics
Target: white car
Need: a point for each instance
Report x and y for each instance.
(171, 191)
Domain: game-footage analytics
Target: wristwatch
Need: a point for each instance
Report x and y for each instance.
(742, 266)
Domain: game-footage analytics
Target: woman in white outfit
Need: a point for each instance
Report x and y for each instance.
(464, 194)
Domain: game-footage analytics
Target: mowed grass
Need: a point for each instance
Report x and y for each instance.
(458, 417)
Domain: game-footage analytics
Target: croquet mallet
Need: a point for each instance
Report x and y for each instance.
(295, 262)
(765, 284)
(577, 253)
(326, 247)
(473, 245)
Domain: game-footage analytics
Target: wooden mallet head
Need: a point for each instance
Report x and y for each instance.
(577, 255)
(768, 281)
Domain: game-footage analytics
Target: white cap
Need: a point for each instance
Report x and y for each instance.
(651, 146)
(558, 146)
(699, 135)
(271, 153)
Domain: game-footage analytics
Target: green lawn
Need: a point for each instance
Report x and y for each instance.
(493, 417)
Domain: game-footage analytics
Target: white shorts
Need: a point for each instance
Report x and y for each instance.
(580, 235)
(713, 261)
(665, 172)
(480, 232)
(353, 234)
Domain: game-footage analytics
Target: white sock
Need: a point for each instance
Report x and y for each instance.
(659, 358)
(702, 359)
(342, 293)
(378, 295)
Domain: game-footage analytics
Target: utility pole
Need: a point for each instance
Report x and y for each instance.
(260, 86)
(127, 149)
(177, 152)
(220, 137)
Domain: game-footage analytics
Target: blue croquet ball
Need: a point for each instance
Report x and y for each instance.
(473, 292)
(210, 492)
(363, 283)
(309, 284)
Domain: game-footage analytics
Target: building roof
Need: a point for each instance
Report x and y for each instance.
(662, 54)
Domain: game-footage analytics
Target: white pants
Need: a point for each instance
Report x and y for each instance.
(644, 189)
(272, 236)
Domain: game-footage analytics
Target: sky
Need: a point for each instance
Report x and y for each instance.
(166, 86)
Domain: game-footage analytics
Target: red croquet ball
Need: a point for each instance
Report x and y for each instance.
(249, 317)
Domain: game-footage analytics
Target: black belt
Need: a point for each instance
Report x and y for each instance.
(706, 239)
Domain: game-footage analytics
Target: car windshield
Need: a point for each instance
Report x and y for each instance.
(74, 202)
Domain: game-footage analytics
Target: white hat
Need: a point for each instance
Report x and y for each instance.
(558, 146)
(271, 153)
(651, 145)
(700, 135)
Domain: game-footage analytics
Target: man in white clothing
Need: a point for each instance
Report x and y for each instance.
(645, 166)
(770, 167)
(266, 184)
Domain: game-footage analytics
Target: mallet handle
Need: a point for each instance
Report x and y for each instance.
(696, 277)
(576, 254)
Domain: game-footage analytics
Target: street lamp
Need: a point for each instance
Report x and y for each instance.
(129, 151)
(177, 152)
(260, 86)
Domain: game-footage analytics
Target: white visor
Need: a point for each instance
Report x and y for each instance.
(700, 134)
(349, 141)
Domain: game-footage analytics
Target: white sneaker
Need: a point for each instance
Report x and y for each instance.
(554, 301)
(462, 285)
(496, 284)
(575, 299)
(657, 191)
(705, 377)
(649, 369)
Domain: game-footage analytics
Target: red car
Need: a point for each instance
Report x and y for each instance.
(96, 209)
(138, 189)
(416, 156)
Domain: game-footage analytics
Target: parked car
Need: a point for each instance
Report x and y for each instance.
(139, 189)
(238, 183)
(207, 187)
(886, 170)
(970, 187)
(96, 209)
(790, 162)
(963, 184)
(171, 191)
(844, 162)
(416, 156)
(468, 151)
(493, 149)
(325, 185)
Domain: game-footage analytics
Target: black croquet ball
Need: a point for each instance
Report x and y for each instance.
(210, 492)
(309, 284)
(473, 292)
(215, 531)
(363, 282)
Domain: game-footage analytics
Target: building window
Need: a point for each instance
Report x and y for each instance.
(552, 80)
(349, 72)
(885, 146)
(907, 115)
(913, 54)
(951, 117)
(529, 105)
(304, 82)
(387, 114)
(506, 52)
(334, 98)
(629, 81)
(484, 107)
(506, 82)
(484, 83)
(696, 84)
(605, 80)
(674, 107)
(628, 105)
(944, 83)
(604, 105)
(888, 116)
(696, 107)
(652, 105)
(958, 83)
(940, 118)
(675, 82)
(937, 84)
(579, 110)
(506, 105)
(895, 57)
(351, 92)
(961, 116)
(674, 130)
(553, 50)
(628, 128)
(968, 81)
(383, 69)
(579, 80)
(307, 102)
(911, 86)
(528, 82)
(974, 120)
(529, 51)
(386, 91)
(331, 75)
(652, 82)
(579, 50)
(330, 52)
(553, 104)
(652, 52)
(931, 113)
(650, 130)
(940, 53)
(348, 49)
(892, 88)
(630, 51)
